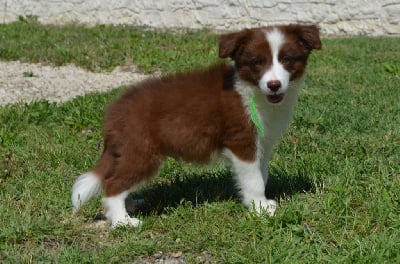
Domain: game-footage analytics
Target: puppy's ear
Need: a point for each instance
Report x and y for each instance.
(309, 36)
(230, 43)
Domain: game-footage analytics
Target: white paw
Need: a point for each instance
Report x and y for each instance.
(126, 221)
(265, 206)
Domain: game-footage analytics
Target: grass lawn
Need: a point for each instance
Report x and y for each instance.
(336, 174)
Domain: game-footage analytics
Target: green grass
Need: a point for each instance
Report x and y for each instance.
(336, 173)
(103, 47)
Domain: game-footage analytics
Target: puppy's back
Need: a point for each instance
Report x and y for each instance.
(182, 114)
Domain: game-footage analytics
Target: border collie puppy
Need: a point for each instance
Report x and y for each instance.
(239, 110)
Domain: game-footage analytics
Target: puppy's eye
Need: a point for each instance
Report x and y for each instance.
(257, 62)
(286, 59)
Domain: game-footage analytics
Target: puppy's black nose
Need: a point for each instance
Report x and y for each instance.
(274, 85)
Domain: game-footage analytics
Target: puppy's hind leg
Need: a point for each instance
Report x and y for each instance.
(117, 186)
(132, 167)
(116, 211)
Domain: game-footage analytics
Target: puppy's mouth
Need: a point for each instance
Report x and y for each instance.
(275, 98)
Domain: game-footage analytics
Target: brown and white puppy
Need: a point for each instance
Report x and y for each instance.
(191, 116)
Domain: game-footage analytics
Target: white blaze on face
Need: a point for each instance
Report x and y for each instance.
(277, 72)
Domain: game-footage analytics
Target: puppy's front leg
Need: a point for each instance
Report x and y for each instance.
(251, 185)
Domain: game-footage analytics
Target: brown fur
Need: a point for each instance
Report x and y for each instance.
(186, 116)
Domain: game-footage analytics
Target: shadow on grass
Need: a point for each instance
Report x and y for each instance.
(280, 186)
(208, 187)
(196, 188)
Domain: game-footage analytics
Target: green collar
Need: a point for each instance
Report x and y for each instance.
(255, 117)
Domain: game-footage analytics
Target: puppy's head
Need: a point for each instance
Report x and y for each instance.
(271, 57)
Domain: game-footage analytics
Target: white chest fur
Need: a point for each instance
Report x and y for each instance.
(275, 117)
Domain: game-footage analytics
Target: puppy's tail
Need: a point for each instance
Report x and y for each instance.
(85, 187)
